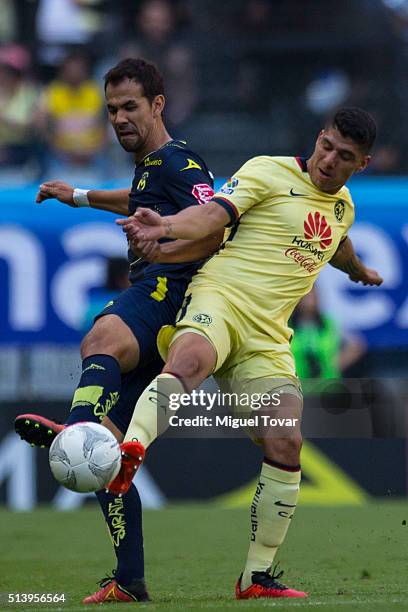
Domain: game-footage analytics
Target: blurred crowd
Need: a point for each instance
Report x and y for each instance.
(242, 77)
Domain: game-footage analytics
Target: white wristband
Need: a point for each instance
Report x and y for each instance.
(80, 197)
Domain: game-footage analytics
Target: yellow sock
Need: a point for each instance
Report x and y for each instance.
(272, 508)
(151, 413)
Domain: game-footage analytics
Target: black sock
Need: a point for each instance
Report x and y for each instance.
(98, 389)
(124, 518)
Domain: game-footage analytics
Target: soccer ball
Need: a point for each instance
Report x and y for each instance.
(85, 457)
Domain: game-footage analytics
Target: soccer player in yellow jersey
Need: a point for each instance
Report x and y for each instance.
(289, 217)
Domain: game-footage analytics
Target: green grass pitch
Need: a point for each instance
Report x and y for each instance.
(347, 558)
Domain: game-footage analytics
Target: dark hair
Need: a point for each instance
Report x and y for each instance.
(140, 71)
(355, 123)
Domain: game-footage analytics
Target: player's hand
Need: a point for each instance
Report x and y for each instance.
(368, 277)
(148, 250)
(144, 225)
(56, 189)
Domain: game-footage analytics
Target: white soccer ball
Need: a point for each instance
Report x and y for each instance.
(85, 457)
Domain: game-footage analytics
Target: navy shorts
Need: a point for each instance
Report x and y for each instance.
(145, 307)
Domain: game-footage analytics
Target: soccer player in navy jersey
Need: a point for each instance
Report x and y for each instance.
(119, 353)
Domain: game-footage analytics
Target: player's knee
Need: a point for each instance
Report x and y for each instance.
(97, 340)
(187, 365)
(112, 337)
(283, 450)
(192, 358)
(89, 345)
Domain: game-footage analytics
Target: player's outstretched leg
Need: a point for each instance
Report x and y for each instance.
(98, 390)
(143, 428)
(191, 359)
(132, 458)
(37, 430)
(272, 509)
(123, 514)
(109, 349)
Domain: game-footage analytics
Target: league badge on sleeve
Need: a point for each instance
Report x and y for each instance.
(202, 193)
(229, 186)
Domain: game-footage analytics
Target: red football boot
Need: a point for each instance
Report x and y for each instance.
(132, 458)
(265, 585)
(37, 430)
(111, 592)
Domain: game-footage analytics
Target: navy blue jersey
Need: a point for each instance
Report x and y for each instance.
(167, 181)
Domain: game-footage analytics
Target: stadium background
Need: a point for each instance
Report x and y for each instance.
(243, 78)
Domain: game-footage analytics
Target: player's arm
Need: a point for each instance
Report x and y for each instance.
(177, 251)
(346, 260)
(111, 200)
(191, 223)
(250, 185)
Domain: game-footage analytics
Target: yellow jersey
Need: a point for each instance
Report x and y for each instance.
(284, 231)
(76, 116)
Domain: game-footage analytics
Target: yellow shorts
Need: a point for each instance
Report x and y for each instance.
(244, 351)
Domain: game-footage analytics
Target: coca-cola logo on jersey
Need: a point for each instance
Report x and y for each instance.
(303, 260)
(316, 229)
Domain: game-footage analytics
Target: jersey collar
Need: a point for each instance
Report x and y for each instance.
(166, 144)
(302, 163)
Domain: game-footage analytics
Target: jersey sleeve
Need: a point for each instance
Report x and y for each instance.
(250, 185)
(186, 181)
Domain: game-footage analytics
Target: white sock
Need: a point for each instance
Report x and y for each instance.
(151, 413)
(272, 508)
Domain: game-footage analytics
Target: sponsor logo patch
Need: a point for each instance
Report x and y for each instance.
(152, 162)
(229, 186)
(298, 195)
(117, 518)
(316, 226)
(202, 193)
(191, 164)
(303, 260)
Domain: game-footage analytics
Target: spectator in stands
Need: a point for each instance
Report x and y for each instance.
(72, 117)
(157, 37)
(322, 351)
(18, 97)
(62, 24)
(319, 348)
(8, 20)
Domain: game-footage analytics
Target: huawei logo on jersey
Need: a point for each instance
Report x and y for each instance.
(316, 226)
